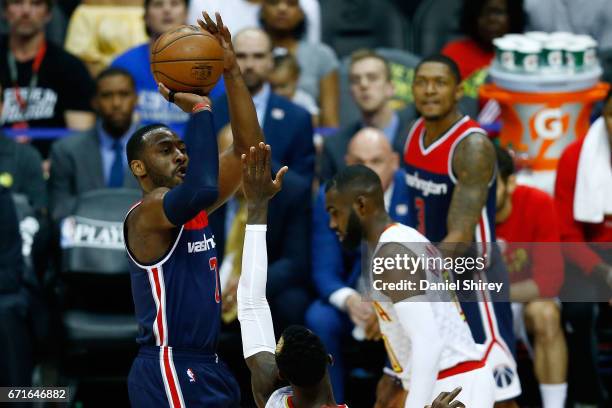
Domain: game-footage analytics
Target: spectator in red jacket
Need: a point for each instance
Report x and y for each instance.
(527, 227)
(598, 228)
(482, 21)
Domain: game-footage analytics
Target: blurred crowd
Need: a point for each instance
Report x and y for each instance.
(331, 81)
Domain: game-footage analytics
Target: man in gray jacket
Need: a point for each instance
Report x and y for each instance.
(96, 159)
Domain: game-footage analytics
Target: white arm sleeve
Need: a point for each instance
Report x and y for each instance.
(418, 321)
(253, 309)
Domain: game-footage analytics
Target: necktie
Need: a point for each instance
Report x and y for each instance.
(115, 179)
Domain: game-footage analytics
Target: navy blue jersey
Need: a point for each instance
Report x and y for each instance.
(431, 181)
(177, 299)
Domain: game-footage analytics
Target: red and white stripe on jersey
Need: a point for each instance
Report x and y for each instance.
(482, 236)
(160, 324)
(420, 158)
(160, 329)
(491, 329)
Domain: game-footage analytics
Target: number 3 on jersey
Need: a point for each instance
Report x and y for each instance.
(212, 263)
(419, 205)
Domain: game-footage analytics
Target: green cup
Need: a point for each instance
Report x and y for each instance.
(505, 53)
(552, 55)
(527, 56)
(576, 56)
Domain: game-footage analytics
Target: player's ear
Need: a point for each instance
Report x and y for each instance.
(138, 168)
(330, 359)
(360, 205)
(459, 91)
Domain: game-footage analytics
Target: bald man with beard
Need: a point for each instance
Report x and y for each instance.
(339, 310)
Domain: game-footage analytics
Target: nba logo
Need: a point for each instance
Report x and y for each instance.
(191, 375)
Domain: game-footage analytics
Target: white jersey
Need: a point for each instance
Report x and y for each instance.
(459, 346)
(281, 398)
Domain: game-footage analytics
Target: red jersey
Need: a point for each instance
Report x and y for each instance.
(532, 220)
(571, 230)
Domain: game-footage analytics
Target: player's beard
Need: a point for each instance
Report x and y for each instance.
(160, 180)
(352, 238)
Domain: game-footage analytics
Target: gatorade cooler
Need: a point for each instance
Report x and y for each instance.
(541, 115)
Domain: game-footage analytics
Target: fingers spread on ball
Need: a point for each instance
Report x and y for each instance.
(163, 90)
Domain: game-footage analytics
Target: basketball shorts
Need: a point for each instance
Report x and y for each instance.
(166, 377)
(491, 326)
(477, 386)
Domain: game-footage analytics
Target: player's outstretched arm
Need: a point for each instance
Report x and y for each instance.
(418, 321)
(166, 208)
(243, 117)
(256, 326)
(474, 167)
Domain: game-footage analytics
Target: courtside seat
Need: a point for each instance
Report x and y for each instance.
(99, 330)
(95, 268)
(99, 326)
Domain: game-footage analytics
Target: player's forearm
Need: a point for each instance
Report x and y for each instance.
(257, 212)
(200, 187)
(243, 116)
(456, 243)
(524, 291)
(254, 313)
(418, 321)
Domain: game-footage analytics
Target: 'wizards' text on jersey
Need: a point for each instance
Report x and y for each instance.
(431, 181)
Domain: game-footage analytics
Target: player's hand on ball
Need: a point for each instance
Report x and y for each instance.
(257, 184)
(222, 34)
(184, 100)
(445, 400)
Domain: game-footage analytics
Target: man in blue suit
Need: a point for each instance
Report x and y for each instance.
(336, 271)
(287, 127)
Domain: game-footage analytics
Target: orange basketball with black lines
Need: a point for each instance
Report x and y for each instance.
(187, 59)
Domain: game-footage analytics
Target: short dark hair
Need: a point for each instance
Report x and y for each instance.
(357, 180)
(112, 71)
(471, 12)
(49, 3)
(441, 59)
(301, 359)
(365, 53)
(136, 144)
(505, 163)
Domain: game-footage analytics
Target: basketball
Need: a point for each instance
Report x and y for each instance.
(187, 59)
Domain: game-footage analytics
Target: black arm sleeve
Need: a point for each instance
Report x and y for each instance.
(200, 188)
